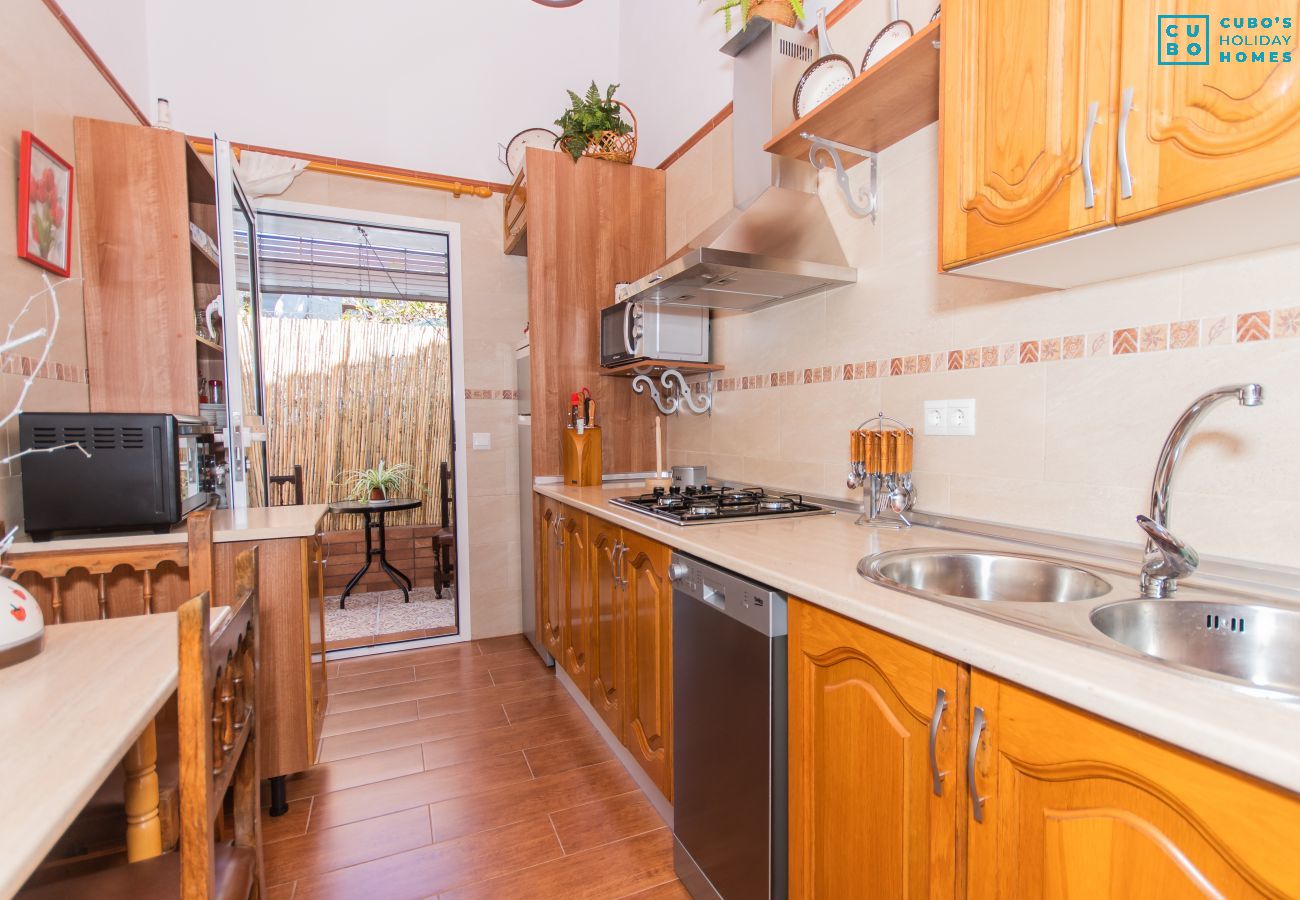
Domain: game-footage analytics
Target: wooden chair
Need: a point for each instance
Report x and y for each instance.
(217, 698)
(294, 482)
(76, 585)
(444, 539)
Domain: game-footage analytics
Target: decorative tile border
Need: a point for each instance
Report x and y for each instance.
(1211, 331)
(14, 364)
(490, 394)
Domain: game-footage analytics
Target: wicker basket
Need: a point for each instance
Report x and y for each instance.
(615, 147)
(778, 11)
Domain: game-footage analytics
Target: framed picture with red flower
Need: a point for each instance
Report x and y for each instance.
(44, 207)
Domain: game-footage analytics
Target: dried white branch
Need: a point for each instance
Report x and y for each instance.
(49, 340)
(28, 452)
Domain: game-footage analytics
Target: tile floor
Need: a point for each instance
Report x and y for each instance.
(463, 771)
(379, 617)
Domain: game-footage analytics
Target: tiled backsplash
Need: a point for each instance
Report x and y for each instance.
(1075, 389)
(1211, 331)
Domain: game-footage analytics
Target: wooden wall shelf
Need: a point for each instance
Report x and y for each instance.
(895, 98)
(656, 367)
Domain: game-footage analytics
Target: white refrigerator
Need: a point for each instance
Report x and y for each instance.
(523, 381)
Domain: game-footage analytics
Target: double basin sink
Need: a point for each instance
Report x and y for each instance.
(1253, 644)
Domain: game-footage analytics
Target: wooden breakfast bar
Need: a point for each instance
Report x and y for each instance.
(67, 717)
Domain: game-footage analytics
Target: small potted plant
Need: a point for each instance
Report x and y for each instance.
(593, 125)
(376, 484)
(783, 12)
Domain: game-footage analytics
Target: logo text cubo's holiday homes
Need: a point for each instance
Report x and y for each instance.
(1197, 40)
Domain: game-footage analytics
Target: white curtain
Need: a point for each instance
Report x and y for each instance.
(265, 174)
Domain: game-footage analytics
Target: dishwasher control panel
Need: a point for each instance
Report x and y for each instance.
(753, 604)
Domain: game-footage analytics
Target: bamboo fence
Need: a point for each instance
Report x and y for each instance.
(345, 394)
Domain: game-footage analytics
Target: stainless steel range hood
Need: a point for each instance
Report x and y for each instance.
(777, 242)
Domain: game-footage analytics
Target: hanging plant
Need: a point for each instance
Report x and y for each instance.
(593, 125)
(783, 12)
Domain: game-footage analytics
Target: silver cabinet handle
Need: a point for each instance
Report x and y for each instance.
(1089, 194)
(976, 731)
(622, 564)
(1125, 174)
(940, 704)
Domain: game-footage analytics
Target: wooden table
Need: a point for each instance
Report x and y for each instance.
(71, 714)
(377, 508)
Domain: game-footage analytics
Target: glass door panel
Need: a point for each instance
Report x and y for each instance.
(241, 305)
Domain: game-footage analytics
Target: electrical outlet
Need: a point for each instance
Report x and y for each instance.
(961, 417)
(936, 417)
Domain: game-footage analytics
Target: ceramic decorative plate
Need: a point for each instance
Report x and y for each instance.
(822, 79)
(891, 37)
(529, 137)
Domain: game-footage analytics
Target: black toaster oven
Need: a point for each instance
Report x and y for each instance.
(144, 471)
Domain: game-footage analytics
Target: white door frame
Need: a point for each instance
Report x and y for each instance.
(460, 455)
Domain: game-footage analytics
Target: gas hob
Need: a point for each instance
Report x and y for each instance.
(701, 505)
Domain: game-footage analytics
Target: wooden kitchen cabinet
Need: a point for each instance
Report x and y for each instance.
(1197, 132)
(292, 686)
(1075, 806)
(866, 817)
(605, 605)
(549, 560)
(608, 650)
(574, 604)
(139, 189)
(649, 628)
(1019, 78)
(1069, 805)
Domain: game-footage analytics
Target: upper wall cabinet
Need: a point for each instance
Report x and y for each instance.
(1201, 131)
(1025, 123)
(1152, 134)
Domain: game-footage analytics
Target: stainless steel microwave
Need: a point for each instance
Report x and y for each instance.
(143, 471)
(636, 330)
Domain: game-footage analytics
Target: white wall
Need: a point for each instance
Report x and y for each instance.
(407, 83)
(399, 82)
(118, 30)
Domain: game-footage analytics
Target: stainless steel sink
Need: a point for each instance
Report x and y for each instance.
(1252, 644)
(982, 575)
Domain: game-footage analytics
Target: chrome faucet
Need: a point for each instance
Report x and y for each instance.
(1167, 558)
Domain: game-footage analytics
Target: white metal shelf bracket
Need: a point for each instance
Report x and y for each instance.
(676, 394)
(863, 201)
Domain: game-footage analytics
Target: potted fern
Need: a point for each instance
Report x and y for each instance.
(376, 484)
(783, 12)
(593, 125)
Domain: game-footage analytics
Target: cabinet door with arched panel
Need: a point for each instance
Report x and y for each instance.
(1195, 124)
(876, 792)
(1074, 806)
(1027, 151)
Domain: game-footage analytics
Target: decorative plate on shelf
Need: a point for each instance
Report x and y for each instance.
(822, 79)
(513, 153)
(890, 38)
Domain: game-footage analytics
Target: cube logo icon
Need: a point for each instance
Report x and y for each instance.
(1183, 40)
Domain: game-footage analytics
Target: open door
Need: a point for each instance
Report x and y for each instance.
(241, 308)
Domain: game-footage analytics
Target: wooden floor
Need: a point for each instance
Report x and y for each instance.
(463, 771)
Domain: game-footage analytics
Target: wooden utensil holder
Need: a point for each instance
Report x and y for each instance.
(581, 457)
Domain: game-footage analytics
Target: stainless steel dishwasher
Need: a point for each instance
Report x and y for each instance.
(729, 733)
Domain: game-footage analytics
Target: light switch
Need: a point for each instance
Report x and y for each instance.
(482, 440)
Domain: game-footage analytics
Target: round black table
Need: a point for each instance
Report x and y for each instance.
(373, 512)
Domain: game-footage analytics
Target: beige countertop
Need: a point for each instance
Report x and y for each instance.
(815, 558)
(67, 717)
(262, 524)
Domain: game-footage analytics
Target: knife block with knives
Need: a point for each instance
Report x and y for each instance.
(581, 445)
(880, 462)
